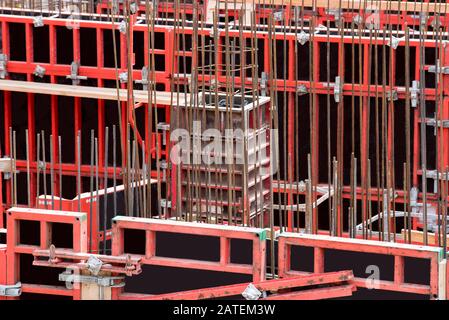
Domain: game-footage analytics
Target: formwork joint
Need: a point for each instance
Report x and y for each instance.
(3, 62)
(439, 70)
(38, 22)
(113, 282)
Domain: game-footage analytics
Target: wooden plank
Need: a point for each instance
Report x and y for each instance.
(160, 97)
(418, 236)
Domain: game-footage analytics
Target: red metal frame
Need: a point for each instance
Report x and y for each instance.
(225, 233)
(45, 218)
(399, 250)
(101, 73)
(84, 200)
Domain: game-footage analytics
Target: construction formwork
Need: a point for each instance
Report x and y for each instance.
(292, 82)
(371, 69)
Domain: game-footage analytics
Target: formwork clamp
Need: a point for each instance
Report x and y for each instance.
(252, 293)
(123, 77)
(278, 15)
(163, 165)
(165, 205)
(112, 282)
(301, 90)
(337, 13)
(39, 71)
(122, 27)
(11, 290)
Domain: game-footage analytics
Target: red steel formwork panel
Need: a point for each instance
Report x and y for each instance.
(435, 289)
(288, 84)
(45, 218)
(225, 233)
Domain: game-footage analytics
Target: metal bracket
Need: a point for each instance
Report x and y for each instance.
(438, 69)
(38, 22)
(163, 165)
(144, 81)
(115, 7)
(74, 74)
(163, 126)
(39, 71)
(301, 90)
(41, 165)
(393, 42)
(94, 265)
(432, 174)
(338, 15)
(3, 62)
(251, 292)
(303, 37)
(165, 203)
(392, 95)
(212, 34)
(133, 7)
(423, 19)
(441, 123)
(263, 84)
(11, 290)
(414, 91)
(6, 166)
(68, 276)
(436, 23)
(338, 89)
(372, 21)
(296, 14)
(278, 15)
(123, 77)
(358, 19)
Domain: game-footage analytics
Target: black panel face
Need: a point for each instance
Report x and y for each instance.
(361, 264)
(367, 294)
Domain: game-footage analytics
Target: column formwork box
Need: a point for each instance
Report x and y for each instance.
(226, 168)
